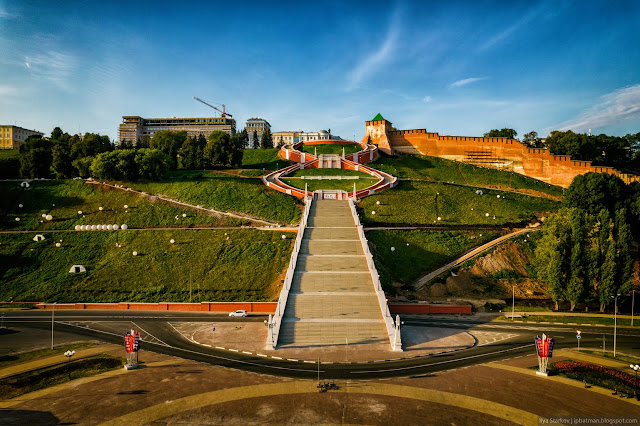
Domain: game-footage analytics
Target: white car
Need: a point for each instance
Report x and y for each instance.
(238, 313)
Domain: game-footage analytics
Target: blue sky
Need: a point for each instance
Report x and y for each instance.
(459, 68)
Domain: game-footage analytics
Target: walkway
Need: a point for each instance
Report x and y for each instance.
(420, 282)
(332, 299)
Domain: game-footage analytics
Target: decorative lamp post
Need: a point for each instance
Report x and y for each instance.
(615, 324)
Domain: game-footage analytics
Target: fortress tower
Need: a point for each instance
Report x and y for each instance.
(377, 131)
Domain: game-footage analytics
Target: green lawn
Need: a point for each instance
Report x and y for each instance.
(62, 199)
(9, 153)
(418, 252)
(439, 169)
(331, 148)
(344, 185)
(221, 265)
(230, 194)
(263, 159)
(328, 172)
(415, 202)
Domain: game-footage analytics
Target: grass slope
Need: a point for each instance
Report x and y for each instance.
(418, 167)
(228, 193)
(221, 265)
(418, 252)
(64, 198)
(415, 202)
(262, 159)
(344, 185)
(331, 148)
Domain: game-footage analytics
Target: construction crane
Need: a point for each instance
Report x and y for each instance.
(224, 111)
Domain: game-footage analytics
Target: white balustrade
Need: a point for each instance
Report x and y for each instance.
(382, 300)
(274, 327)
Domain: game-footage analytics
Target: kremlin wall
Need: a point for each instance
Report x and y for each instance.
(501, 153)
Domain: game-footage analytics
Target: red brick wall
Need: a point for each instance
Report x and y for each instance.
(257, 307)
(502, 153)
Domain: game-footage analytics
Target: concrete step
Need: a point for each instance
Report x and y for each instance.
(331, 234)
(348, 306)
(331, 263)
(310, 282)
(337, 333)
(331, 247)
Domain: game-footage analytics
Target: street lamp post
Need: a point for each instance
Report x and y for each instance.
(513, 303)
(635, 367)
(615, 322)
(53, 313)
(633, 299)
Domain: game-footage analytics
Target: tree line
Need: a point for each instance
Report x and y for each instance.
(65, 156)
(587, 250)
(616, 151)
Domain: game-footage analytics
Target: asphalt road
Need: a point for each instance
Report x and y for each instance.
(108, 326)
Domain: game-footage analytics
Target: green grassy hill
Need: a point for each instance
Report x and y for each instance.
(417, 252)
(434, 169)
(222, 265)
(228, 193)
(419, 202)
(62, 199)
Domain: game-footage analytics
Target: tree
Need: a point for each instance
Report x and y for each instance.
(170, 143)
(105, 165)
(502, 133)
(152, 164)
(35, 158)
(607, 289)
(244, 138)
(553, 255)
(578, 279)
(191, 155)
(61, 158)
(531, 139)
(266, 141)
(83, 166)
(592, 192)
(255, 140)
(90, 145)
(223, 150)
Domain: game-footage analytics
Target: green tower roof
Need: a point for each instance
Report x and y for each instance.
(377, 118)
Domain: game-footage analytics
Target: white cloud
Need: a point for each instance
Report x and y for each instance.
(619, 105)
(514, 28)
(6, 91)
(466, 81)
(375, 60)
(426, 99)
(52, 65)
(6, 15)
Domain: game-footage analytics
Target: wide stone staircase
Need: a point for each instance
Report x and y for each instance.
(332, 298)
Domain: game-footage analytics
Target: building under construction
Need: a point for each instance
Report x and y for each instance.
(133, 127)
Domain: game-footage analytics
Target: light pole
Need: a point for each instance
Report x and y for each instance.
(633, 299)
(635, 367)
(53, 313)
(513, 303)
(615, 322)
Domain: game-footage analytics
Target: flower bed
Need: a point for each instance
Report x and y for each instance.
(596, 375)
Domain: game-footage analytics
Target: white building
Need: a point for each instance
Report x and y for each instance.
(321, 135)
